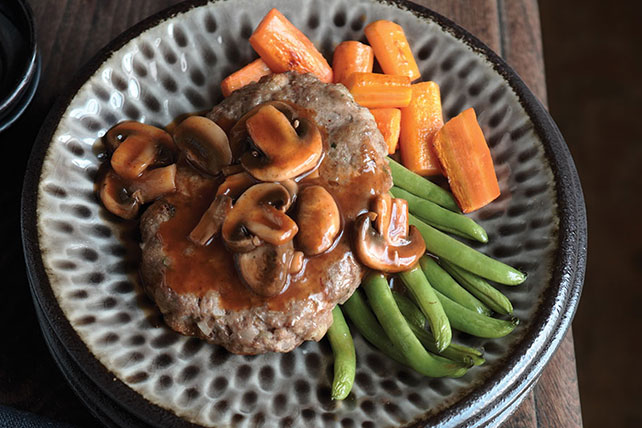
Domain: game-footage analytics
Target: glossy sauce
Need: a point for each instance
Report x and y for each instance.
(198, 270)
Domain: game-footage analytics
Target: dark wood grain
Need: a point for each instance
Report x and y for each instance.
(69, 33)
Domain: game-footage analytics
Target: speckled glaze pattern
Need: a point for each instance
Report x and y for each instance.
(90, 258)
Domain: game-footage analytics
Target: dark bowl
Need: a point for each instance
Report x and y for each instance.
(19, 60)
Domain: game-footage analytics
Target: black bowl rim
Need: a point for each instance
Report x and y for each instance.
(30, 66)
(15, 112)
(93, 397)
(504, 388)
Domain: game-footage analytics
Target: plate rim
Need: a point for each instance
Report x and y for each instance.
(499, 391)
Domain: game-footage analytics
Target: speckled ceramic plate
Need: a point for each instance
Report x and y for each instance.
(83, 262)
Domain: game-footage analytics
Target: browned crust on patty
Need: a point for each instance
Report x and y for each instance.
(356, 147)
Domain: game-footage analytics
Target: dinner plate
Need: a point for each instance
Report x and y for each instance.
(82, 262)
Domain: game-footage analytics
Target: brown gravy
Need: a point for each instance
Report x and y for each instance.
(200, 269)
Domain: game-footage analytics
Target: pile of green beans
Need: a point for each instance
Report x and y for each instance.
(448, 290)
(400, 334)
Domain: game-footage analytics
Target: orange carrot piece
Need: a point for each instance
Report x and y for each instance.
(375, 90)
(246, 75)
(283, 47)
(350, 57)
(389, 123)
(391, 49)
(466, 161)
(420, 121)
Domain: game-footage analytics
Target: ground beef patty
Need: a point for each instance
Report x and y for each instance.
(197, 289)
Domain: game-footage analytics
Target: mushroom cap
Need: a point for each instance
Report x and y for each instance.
(154, 183)
(276, 141)
(318, 219)
(115, 197)
(234, 185)
(240, 141)
(122, 131)
(265, 269)
(279, 150)
(212, 220)
(382, 239)
(259, 215)
(133, 156)
(204, 143)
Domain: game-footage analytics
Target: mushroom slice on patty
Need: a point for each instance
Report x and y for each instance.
(265, 269)
(240, 141)
(235, 184)
(318, 219)
(115, 197)
(154, 183)
(259, 215)
(212, 220)
(280, 149)
(135, 146)
(204, 143)
(383, 240)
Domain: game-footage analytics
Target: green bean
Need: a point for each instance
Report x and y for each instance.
(471, 322)
(448, 248)
(440, 280)
(345, 360)
(416, 184)
(363, 319)
(420, 288)
(440, 217)
(485, 292)
(417, 321)
(399, 332)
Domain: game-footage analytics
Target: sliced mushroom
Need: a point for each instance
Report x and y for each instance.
(292, 186)
(234, 185)
(135, 146)
(392, 216)
(378, 239)
(265, 269)
(240, 141)
(318, 219)
(154, 183)
(297, 262)
(133, 156)
(130, 128)
(115, 197)
(278, 151)
(204, 143)
(212, 220)
(259, 215)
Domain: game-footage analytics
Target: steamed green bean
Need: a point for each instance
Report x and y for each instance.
(448, 248)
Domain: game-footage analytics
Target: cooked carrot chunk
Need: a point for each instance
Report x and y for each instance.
(420, 121)
(391, 49)
(389, 123)
(283, 47)
(248, 74)
(466, 161)
(350, 57)
(375, 90)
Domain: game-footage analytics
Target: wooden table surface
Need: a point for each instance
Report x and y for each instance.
(70, 32)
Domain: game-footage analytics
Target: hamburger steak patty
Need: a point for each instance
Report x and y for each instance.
(197, 288)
